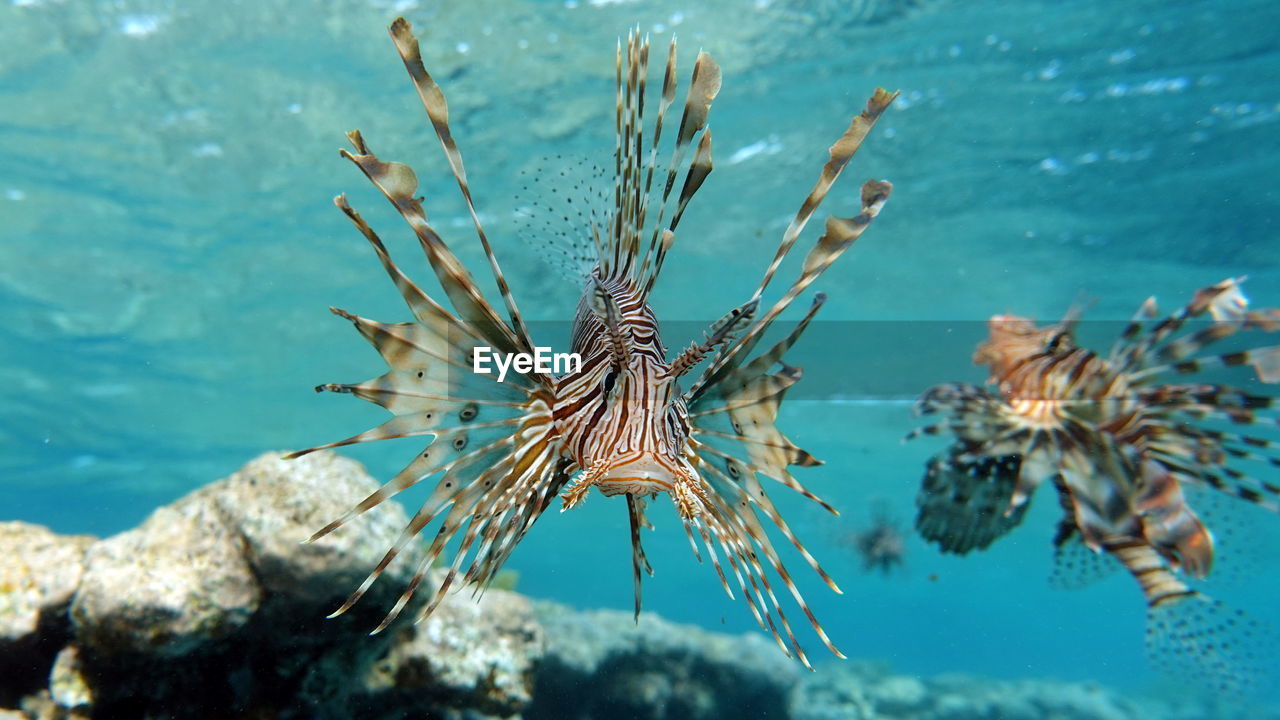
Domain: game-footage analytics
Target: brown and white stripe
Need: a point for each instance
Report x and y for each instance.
(621, 422)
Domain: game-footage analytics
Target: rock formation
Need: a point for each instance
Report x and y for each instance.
(211, 608)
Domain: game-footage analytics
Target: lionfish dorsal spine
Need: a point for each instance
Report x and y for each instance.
(664, 103)
(634, 171)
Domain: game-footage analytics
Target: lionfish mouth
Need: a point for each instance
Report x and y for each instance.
(641, 477)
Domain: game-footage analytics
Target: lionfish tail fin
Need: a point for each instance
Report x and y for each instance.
(1190, 635)
(1217, 647)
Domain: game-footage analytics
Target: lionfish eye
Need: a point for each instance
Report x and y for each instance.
(609, 379)
(1056, 342)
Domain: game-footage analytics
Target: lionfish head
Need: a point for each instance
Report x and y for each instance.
(1012, 340)
(628, 429)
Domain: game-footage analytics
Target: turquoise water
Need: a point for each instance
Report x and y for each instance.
(168, 249)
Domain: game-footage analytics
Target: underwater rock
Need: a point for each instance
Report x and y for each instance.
(960, 697)
(175, 582)
(654, 669)
(467, 655)
(274, 504)
(198, 569)
(68, 687)
(897, 694)
(212, 603)
(39, 572)
(212, 608)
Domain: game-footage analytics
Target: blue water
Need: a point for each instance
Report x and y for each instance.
(168, 249)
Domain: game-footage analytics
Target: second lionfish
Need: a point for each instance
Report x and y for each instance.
(1123, 440)
(624, 422)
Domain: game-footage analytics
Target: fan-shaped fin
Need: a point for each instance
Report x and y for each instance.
(962, 502)
(1212, 645)
(1076, 565)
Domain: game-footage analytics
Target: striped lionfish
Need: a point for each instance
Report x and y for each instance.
(1120, 440)
(621, 422)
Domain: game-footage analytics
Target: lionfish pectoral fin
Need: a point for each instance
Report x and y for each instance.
(1266, 363)
(730, 518)
(733, 413)
(398, 184)
(840, 235)
(581, 485)
(961, 501)
(840, 154)
(1229, 308)
(1146, 311)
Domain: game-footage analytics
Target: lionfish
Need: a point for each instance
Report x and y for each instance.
(621, 422)
(1120, 440)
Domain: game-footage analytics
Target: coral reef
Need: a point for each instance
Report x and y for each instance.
(212, 609)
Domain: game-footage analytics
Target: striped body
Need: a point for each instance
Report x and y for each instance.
(499, 452)
(1159, 584)
(633, 417)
